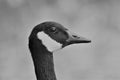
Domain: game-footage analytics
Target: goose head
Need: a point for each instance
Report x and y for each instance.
(55, 36)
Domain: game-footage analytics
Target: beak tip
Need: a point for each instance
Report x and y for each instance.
(86, 41)
(89, 41)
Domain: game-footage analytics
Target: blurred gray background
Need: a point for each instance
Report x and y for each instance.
(98, 20)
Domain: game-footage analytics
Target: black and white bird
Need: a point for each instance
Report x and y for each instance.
(46, 38)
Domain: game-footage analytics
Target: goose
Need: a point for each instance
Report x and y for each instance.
(46, 38)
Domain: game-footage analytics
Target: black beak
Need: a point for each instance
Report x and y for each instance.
(75, 39)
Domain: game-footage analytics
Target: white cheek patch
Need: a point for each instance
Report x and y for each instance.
(48, 42)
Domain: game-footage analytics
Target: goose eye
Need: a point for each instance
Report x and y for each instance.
(53, 29)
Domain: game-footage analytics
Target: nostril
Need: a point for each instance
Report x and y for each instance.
(75, 36)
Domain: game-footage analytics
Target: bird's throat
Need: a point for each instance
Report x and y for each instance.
(44, 67)
(42, 59)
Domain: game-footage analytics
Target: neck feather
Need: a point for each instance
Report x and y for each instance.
(42, 59)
